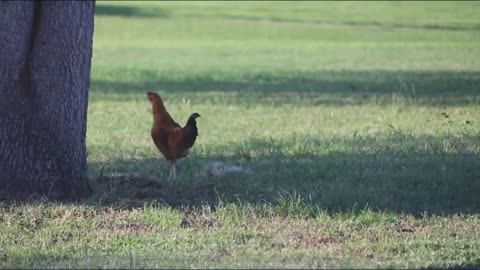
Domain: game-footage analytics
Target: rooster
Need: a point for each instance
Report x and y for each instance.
(172, 140)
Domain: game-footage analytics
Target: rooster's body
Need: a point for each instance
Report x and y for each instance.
(172, 140)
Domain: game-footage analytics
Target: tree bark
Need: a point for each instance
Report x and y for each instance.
(45, 59)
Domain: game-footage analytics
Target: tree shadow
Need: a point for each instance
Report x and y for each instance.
(474, 27)
(131, 11)
(374, 172)
(339, 88)
(128, 11)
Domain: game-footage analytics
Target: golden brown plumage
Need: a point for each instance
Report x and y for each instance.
(172, 140)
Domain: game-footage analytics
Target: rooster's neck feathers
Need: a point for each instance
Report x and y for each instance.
(157, 106)
(159, 111)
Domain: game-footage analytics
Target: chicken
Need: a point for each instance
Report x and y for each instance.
(171, 139)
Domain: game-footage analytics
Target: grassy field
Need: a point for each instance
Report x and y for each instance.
(358, 124)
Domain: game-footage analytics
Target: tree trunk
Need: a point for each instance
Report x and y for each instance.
(45, 58)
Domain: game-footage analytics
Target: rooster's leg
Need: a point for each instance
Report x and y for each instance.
(174, 170)
(170, 166)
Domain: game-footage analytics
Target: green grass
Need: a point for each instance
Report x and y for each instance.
(234, 236)
(335, 108)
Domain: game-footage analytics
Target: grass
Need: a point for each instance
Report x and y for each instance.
(360, 128)
(234, 236)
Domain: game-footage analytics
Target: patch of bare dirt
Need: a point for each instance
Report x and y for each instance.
(407, 227)
(198, 219)
(312, 240)
(126, 191)
(304, 235)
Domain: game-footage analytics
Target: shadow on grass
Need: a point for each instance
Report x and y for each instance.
(337, 88)
(128, 11)
(131, 11)
(473, 27)
(398, 173)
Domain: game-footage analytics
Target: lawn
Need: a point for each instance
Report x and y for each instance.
(356, 125)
